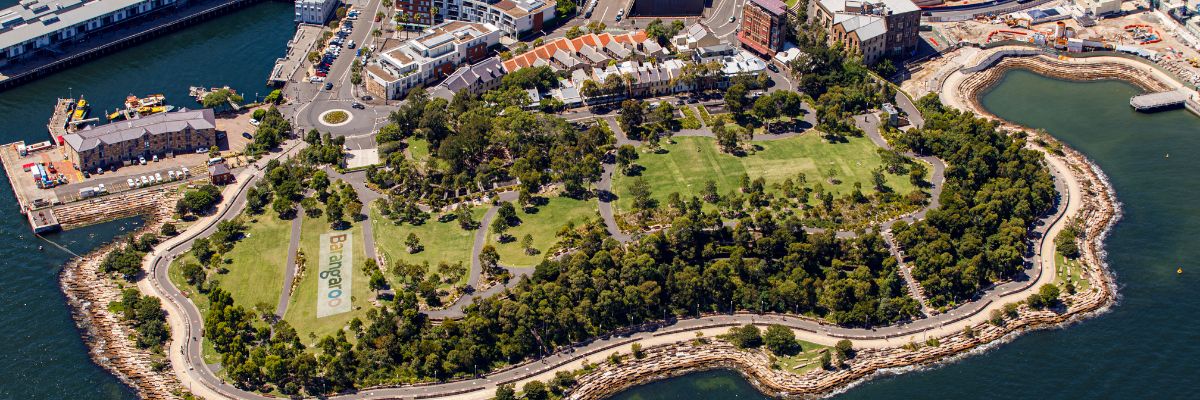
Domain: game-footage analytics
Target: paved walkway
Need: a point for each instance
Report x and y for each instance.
(289, 274)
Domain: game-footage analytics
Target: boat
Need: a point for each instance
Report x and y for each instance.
(141, 106)
(81, 110)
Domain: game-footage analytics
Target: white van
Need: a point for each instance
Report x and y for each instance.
(216, 160)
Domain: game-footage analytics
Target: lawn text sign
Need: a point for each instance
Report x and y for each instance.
(333, 279)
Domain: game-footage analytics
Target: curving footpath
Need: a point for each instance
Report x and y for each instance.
(186, 322)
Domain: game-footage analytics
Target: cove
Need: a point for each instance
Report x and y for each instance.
(1145, 346)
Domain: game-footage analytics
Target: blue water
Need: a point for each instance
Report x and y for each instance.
(1147, 346)
(40, 350)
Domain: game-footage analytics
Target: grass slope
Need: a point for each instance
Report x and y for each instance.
(542, 225)
(302, 309)
(690, 161)
(443, 241)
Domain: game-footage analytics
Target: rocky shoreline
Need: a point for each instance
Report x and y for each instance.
(109, 338)
(1099, 211)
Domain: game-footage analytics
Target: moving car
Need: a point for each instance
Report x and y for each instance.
(358, 105)
(328, 85)
(732, 18)
(772, 67)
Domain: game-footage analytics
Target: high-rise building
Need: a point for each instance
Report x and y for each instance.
(763, 23)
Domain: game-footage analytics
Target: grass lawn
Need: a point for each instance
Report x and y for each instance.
(1070, 269)
(808, 359)
(690, 161)
(542, 225)
(302, 308)
(256, 273)
(443, 241)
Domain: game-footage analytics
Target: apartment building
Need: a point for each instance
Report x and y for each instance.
(158, 134)
(515, 18)
(37, 24)
(314, 11)
(430, 57)
(874, 29)
(763, 24)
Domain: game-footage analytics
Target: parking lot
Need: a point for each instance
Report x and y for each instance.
(333, 50)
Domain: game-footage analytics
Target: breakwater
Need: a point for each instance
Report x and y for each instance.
(119, 38)
(89, 291)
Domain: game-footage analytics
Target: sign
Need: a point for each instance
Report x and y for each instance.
(334, 274)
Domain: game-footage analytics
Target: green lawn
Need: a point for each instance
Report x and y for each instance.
(418, 149)
(808, 359)
(689, 162)
(443, 241)
(258, 262)
(302, 308)
(1069, 269)
(542, 225)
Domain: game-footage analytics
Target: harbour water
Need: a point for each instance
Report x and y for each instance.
(1146, 347)
(40, 349)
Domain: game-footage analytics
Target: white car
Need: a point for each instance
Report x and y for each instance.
(144, 181)
(254, 122)
(731, 19)
(158, 177)
(130, 183)
(142, 160)
(100, 188)
(171, 174)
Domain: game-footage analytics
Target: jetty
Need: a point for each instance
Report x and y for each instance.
(1157, 101)
(58, 121)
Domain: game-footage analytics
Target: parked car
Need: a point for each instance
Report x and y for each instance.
(367, 97)
(201, 150)
(247, 135)
(171, 174)
(143, 180)
(772, 67)
(142, 160)
(130, 183)
(100, 188)
(328, 85)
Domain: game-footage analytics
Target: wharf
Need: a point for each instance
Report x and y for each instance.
(58, 121)
(1151, 102)
(67, 54)
(288, 66)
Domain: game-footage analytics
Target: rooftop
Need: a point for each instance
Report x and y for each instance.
(774, 6)
(857, 6)
(156, 124)
(32, 19)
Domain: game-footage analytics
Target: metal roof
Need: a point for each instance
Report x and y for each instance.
(157, 124)
(33, 19)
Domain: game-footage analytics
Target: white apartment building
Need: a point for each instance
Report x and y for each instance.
(514, 18)
(314, 11)
(36, 24)
(430, 57)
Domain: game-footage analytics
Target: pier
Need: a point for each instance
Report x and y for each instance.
(117, 38)
(1158, 101)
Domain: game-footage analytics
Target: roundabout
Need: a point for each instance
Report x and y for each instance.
(335, 117)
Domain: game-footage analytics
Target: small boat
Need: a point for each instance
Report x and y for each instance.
(141, 106)
(81, 110)
(1179, 271)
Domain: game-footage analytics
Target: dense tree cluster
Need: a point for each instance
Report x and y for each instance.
(481, 146)
(995, 190)
(146, 315)
(199, 200)
(272, 130)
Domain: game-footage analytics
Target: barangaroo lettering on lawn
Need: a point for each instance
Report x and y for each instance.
(333, 287)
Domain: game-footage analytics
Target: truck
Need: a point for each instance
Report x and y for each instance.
(86, 192)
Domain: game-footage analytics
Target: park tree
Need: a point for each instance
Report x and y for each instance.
(168, 229)
(535, 390)
(745, 337)
(489, 259)
(639, 189)
(527, 244)
(466, 220)
(506, 392)
(781, 340)
(737, 99)
(626, 153)
(413, 244)
(632, 116)
(194, 274)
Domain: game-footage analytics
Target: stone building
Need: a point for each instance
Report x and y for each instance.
(874, 29)
(124, 141)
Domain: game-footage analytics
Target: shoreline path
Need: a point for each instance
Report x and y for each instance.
(187, 326)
